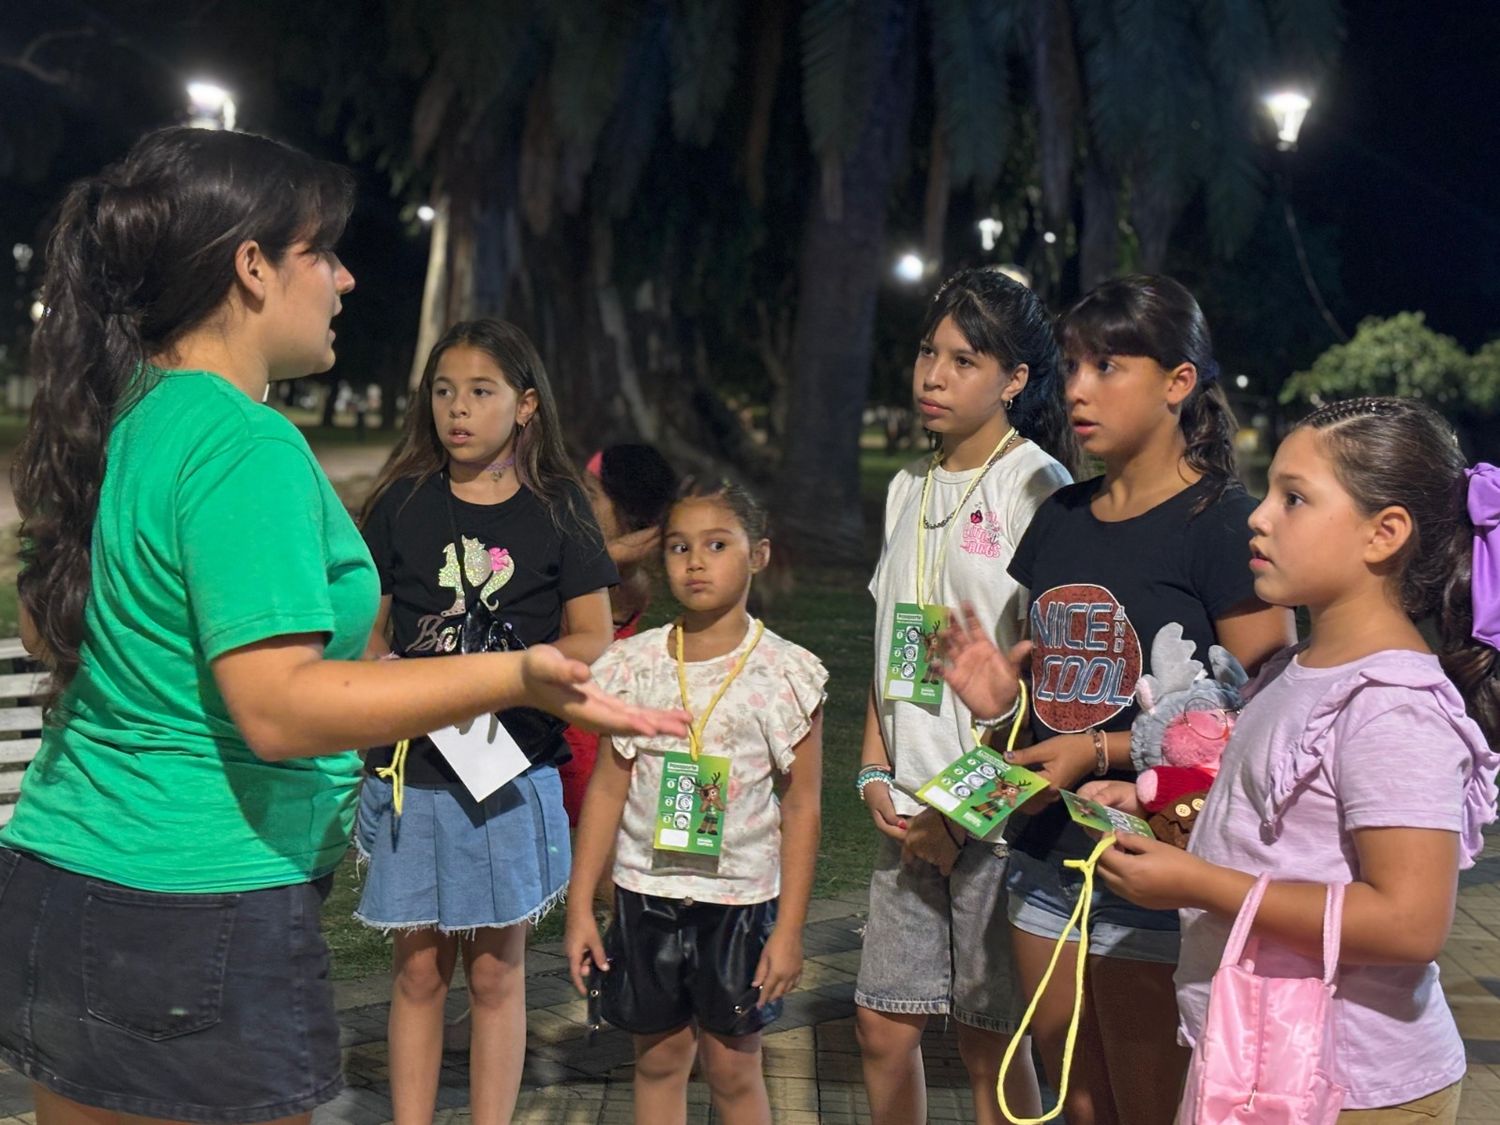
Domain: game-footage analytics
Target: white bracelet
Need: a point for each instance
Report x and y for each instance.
(998, 720)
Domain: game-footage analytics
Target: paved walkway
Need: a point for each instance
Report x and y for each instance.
(812, 1061)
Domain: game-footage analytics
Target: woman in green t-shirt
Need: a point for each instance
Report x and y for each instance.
(202, 600)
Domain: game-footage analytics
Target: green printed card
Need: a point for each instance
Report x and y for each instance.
(1102, 818)
(979, 791)
(910, 672)
(690, 807)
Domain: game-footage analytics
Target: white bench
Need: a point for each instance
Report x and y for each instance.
(20, 721)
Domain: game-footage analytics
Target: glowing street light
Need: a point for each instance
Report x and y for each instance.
(210, 106)
(910, 268)
(1288, 109)
(989, 231)
(426, 213)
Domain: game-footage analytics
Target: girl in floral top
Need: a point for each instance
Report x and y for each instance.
(715, 836)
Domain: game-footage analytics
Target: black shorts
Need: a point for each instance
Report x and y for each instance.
(201, 1007)
(674, 961)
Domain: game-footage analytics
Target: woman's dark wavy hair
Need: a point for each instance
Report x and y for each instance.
(1157, 317)
(142, 254)
(1001, 318)
(1397, 452)
(542, 461)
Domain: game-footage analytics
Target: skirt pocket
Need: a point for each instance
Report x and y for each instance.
(154, 964)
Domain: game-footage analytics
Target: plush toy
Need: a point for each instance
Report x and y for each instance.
(1179, 736)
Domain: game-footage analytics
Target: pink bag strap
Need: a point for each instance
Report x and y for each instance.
(1333, 928)
(1234, 948)
(1333, 931)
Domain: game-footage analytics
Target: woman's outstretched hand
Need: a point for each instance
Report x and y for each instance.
(562, 686)
(973, 667)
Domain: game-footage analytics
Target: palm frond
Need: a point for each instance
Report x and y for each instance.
(632, 132)
(1309, 33)
(591, 39)
(705, 46)
(838, 72)
(969, 61)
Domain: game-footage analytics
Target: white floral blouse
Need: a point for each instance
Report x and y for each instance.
(758, 723)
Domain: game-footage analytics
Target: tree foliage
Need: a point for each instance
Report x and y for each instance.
(1400, 355)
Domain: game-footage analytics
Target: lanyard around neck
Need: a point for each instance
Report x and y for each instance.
(926, 596)
(695, 731)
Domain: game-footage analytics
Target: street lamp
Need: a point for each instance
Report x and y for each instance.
(910, 268)
(1288, 109)
(989, 231)
(210, 106)
(426, 213)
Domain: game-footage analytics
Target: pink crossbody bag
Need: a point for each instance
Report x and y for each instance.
(1265, 1052)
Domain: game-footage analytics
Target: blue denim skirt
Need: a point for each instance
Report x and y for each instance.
(211, 1008)
(454, 864)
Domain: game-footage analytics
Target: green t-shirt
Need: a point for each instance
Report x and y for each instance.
(216, 529)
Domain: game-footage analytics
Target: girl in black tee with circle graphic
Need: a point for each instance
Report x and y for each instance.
(482, 535)
(1161, 536)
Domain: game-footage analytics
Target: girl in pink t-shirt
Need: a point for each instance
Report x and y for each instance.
(1354, 760)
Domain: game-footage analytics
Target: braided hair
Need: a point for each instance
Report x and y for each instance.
(1398, 452)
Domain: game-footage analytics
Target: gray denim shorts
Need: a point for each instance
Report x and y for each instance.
(939, 946)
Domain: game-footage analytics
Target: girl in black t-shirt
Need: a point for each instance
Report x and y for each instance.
(483, 539)
(1160, 537)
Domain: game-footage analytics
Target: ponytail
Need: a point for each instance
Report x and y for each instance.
(1208, 426)
(141, 254)
(1472, 665)
(1398, 452)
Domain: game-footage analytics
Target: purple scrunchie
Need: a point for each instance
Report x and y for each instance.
(1484, 513)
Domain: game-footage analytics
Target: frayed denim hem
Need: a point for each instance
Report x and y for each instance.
(550, 903)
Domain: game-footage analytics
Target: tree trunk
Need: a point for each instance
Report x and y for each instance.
(1099, 247)
(1155, 203)
(817, 500)
(1058, 98)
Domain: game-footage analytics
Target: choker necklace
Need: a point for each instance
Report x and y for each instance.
(497, 470)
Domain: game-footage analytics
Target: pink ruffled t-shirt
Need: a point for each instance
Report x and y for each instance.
(1319, 753)
(766, 712)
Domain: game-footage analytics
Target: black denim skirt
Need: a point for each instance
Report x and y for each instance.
(200, 1007)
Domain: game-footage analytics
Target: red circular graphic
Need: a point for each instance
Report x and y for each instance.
(1086, 657)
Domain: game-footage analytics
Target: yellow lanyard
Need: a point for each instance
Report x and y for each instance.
(923, 593)
(695, 732)
(1080, 919)
(395, 773)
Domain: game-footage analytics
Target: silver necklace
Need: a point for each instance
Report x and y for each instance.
(988, 465)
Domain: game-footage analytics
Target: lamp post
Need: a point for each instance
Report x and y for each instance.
(210, 106)
(1288, 109)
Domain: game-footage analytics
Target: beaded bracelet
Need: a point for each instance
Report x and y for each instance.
(871, 774)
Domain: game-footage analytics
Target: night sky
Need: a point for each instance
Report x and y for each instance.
(1401, 151)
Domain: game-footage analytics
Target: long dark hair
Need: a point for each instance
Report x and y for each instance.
(1001, 318)
(1157, 317)
(542, 461)
(1397, 452)
(142, 254)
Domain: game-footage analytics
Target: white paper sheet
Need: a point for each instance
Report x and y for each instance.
(482, 753)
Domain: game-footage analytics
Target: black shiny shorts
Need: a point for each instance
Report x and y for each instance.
(203, 1007)
(675, 961)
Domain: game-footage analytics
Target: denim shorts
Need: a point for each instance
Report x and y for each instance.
(454, 864)
(1044, 892)
(936, 945)
(214, 1008)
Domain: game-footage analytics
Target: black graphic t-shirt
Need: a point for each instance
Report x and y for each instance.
(515, 559)
(1100, 591)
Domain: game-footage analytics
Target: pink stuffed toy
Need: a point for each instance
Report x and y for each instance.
(1178, 739)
